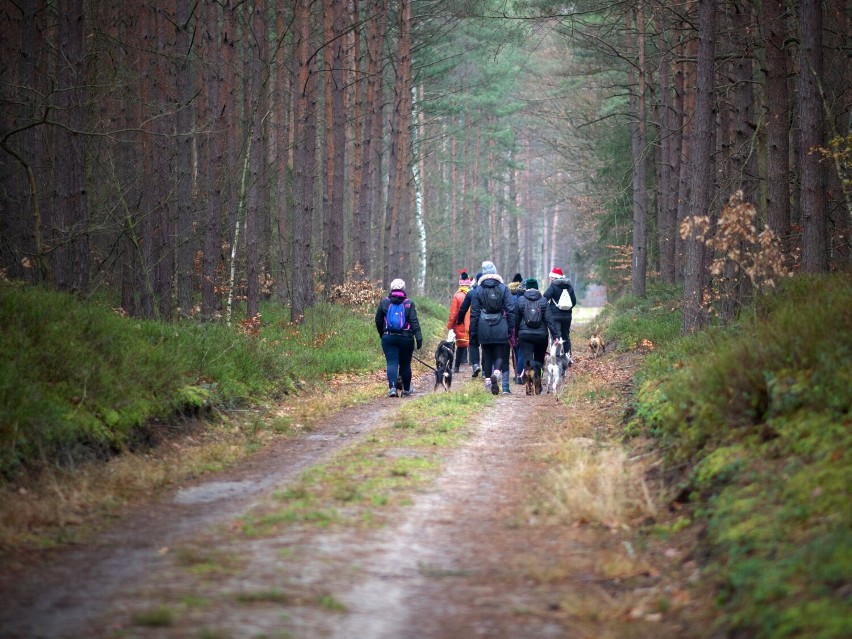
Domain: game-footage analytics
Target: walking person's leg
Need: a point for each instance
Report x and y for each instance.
(566, 335)
(487, 363)
(473, 351)
(391, 351)
(406, 350)
(461, 358)
(539, 349)
(505, 366)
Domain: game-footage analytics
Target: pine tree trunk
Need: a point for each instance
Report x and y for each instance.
(701, 162)
(305, 154)
(336, 265)
(667, 187)
(185, 92)
(71, 267)
(281, 114)
(778, 116)
(214, 122)
(812, 131)
(640, 172)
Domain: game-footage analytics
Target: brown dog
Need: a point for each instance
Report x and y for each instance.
(532, 378)
(597, 346)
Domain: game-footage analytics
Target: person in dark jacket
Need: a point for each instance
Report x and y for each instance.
(533, 340)
(516, 288)
(473, 347)
(490, 327)
(559, 283)
(398, 345)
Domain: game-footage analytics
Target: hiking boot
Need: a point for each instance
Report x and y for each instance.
(476, 369)
(488, 384)
(408, 393)
(518, 379)
(495, 382)
(391, 392)
(506, 391)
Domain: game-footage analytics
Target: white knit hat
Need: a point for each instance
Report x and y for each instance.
(398, 285)
(488, 268)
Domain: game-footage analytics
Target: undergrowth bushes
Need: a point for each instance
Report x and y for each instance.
(758, 413)
(78, 381)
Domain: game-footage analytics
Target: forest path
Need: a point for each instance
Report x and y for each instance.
(476, 553)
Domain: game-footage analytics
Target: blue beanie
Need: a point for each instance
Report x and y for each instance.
(488, 268)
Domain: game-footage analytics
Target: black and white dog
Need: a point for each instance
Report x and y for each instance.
(558, 362)
(445, 354)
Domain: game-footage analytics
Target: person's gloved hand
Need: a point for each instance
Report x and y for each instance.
(419, 344)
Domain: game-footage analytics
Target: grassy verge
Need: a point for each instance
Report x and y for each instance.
(94, 406)
(755, 422)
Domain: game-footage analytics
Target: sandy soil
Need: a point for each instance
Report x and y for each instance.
(474, 555)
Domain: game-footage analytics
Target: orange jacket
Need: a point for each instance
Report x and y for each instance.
(462, 330)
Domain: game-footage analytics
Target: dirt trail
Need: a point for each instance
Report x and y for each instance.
(471, 556)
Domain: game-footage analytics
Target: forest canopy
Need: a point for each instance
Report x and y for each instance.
(192, 159)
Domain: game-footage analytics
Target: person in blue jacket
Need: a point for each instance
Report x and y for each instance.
(398, 343)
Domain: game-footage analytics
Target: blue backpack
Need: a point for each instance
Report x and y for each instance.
(395, 319)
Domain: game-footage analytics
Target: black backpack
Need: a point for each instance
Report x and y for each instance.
(532, 314)
(493, 299)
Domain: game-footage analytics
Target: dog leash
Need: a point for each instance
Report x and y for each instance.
(422, 362)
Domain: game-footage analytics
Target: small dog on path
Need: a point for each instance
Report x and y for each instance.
(557, 364)
(444, 356)
(532, 378)
(597, 346)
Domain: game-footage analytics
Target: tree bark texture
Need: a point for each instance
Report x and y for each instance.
(701, 162)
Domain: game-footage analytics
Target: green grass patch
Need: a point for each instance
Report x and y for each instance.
(161, 617)
(362, 482)
(328, 602)
(631, 321)
(264, 596)
(759, 414)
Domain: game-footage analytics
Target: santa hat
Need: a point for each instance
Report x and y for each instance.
(556, 272)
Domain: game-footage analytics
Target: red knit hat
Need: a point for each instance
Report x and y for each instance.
(464, 279)
(556, 272)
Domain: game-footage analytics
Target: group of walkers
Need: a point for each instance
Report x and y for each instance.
(498, 327)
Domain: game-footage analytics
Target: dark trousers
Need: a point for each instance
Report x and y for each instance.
(473, 351)
(461, 357)
(532, 348)
(398, 350)
(496, 356)
(565, 330)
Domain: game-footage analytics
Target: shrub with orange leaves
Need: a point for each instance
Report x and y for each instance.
(737, 242)
(356, 290)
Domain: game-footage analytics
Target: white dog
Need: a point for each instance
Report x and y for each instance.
(557, 364)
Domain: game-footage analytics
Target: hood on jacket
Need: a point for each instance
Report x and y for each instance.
(490, 277)
(399, 295)
(562, 281)
(532, 294)
(515, 288)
